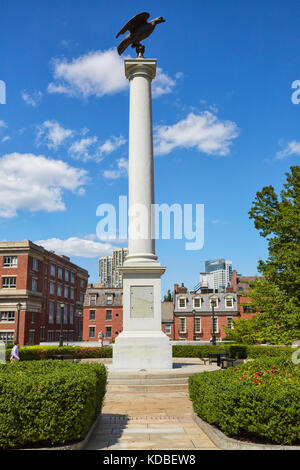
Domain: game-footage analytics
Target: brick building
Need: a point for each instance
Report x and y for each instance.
(38, 286)
(102, 311)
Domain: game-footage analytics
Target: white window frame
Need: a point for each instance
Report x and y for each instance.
(182, 298)
(198, 320)
(229, 298)
(90, 328)
(10, 316)
(8, 286)
(108, 327)
(8, 261)
(180, 324)
(109, 310)
(200, 301)
(168, 329)
(216, 324)
(231, 321)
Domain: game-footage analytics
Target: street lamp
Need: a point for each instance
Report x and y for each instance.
(18, 321)
(213, 304)
(61, 337)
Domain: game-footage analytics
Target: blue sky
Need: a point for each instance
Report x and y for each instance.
(224, 122)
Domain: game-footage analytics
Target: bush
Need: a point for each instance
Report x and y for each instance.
(34, 353)
(256, 401)
(240, 351)
(43, 403)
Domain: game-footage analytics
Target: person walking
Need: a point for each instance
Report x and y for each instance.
(14, 355)
(100, 338)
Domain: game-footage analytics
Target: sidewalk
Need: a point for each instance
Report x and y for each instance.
(157, 417)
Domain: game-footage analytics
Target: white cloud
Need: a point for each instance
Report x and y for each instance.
(52, 134)
(112, 144)
(33, 99)
(292, 148)
(203, 131)
(80, 148)
(36, 183)
(5, 138)
(2, 123)
(99, 73)
(75, 246)
(121, 170)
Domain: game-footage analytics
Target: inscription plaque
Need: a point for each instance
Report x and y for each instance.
(141, 302)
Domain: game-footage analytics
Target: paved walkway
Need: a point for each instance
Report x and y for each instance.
(148, 418)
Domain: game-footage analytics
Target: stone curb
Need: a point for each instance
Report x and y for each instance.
(76, 446)
(227, 443)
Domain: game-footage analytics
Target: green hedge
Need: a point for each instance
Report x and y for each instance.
(32, 353)
(240, 351)
(44, 403)
(258, 401)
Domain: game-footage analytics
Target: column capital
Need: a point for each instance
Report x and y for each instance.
(135, 67)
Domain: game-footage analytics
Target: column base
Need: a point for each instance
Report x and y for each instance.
(142, 350)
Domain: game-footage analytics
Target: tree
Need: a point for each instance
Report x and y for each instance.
(277, 294)
(168, 297)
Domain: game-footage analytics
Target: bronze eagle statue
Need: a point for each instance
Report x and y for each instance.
(139, 28)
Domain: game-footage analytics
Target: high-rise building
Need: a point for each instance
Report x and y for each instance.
(217, 274)
(109, 274)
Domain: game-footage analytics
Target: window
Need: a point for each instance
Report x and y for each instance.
(34, 284)
(65, 314)
(229, 302)
(82, 284)
(67, 275)
(73, 278)
(9, 282)
(92, 300)
(71, 314)
(10, 261)
(182, 302)
(51, 312)
(42, 333)
(59, 273)
(248, 309)
(52, 270)
(108, 332)
(229, 323)
(168, 329)
(66, 292)
(7, 336)
(108, 314)
(109, 299)
(92, 315)
(58, 313)
(34, 264)
(197, 325)
(81, 297)
(45, 269)
(182, 325)
(7, 316)
(72, 293)
(91, 332)
(52, 288)
(51, 336)
(59, 290)
(215, 325)
(197, 302)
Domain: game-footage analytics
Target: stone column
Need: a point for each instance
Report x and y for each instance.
(142, 344)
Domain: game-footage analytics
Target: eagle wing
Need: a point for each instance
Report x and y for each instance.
(134, 23)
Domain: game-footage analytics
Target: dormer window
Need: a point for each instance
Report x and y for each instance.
(228, 302)
(182, 302)
(109, 299)
(197, 302)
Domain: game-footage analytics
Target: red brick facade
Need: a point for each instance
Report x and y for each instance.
(40, 281)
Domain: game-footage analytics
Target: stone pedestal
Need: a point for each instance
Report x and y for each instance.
(142, 344)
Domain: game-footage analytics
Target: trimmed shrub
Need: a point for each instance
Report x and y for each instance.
(34, 353)
(258, 401)
(43, 403)
(239, 351)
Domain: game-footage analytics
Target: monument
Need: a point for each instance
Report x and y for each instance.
(142, 345)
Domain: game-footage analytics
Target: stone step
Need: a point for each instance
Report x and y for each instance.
(170, 388)
(147, 381)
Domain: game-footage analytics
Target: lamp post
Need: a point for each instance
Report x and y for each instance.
(18, 321)
(213, 304)
(61, 337)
